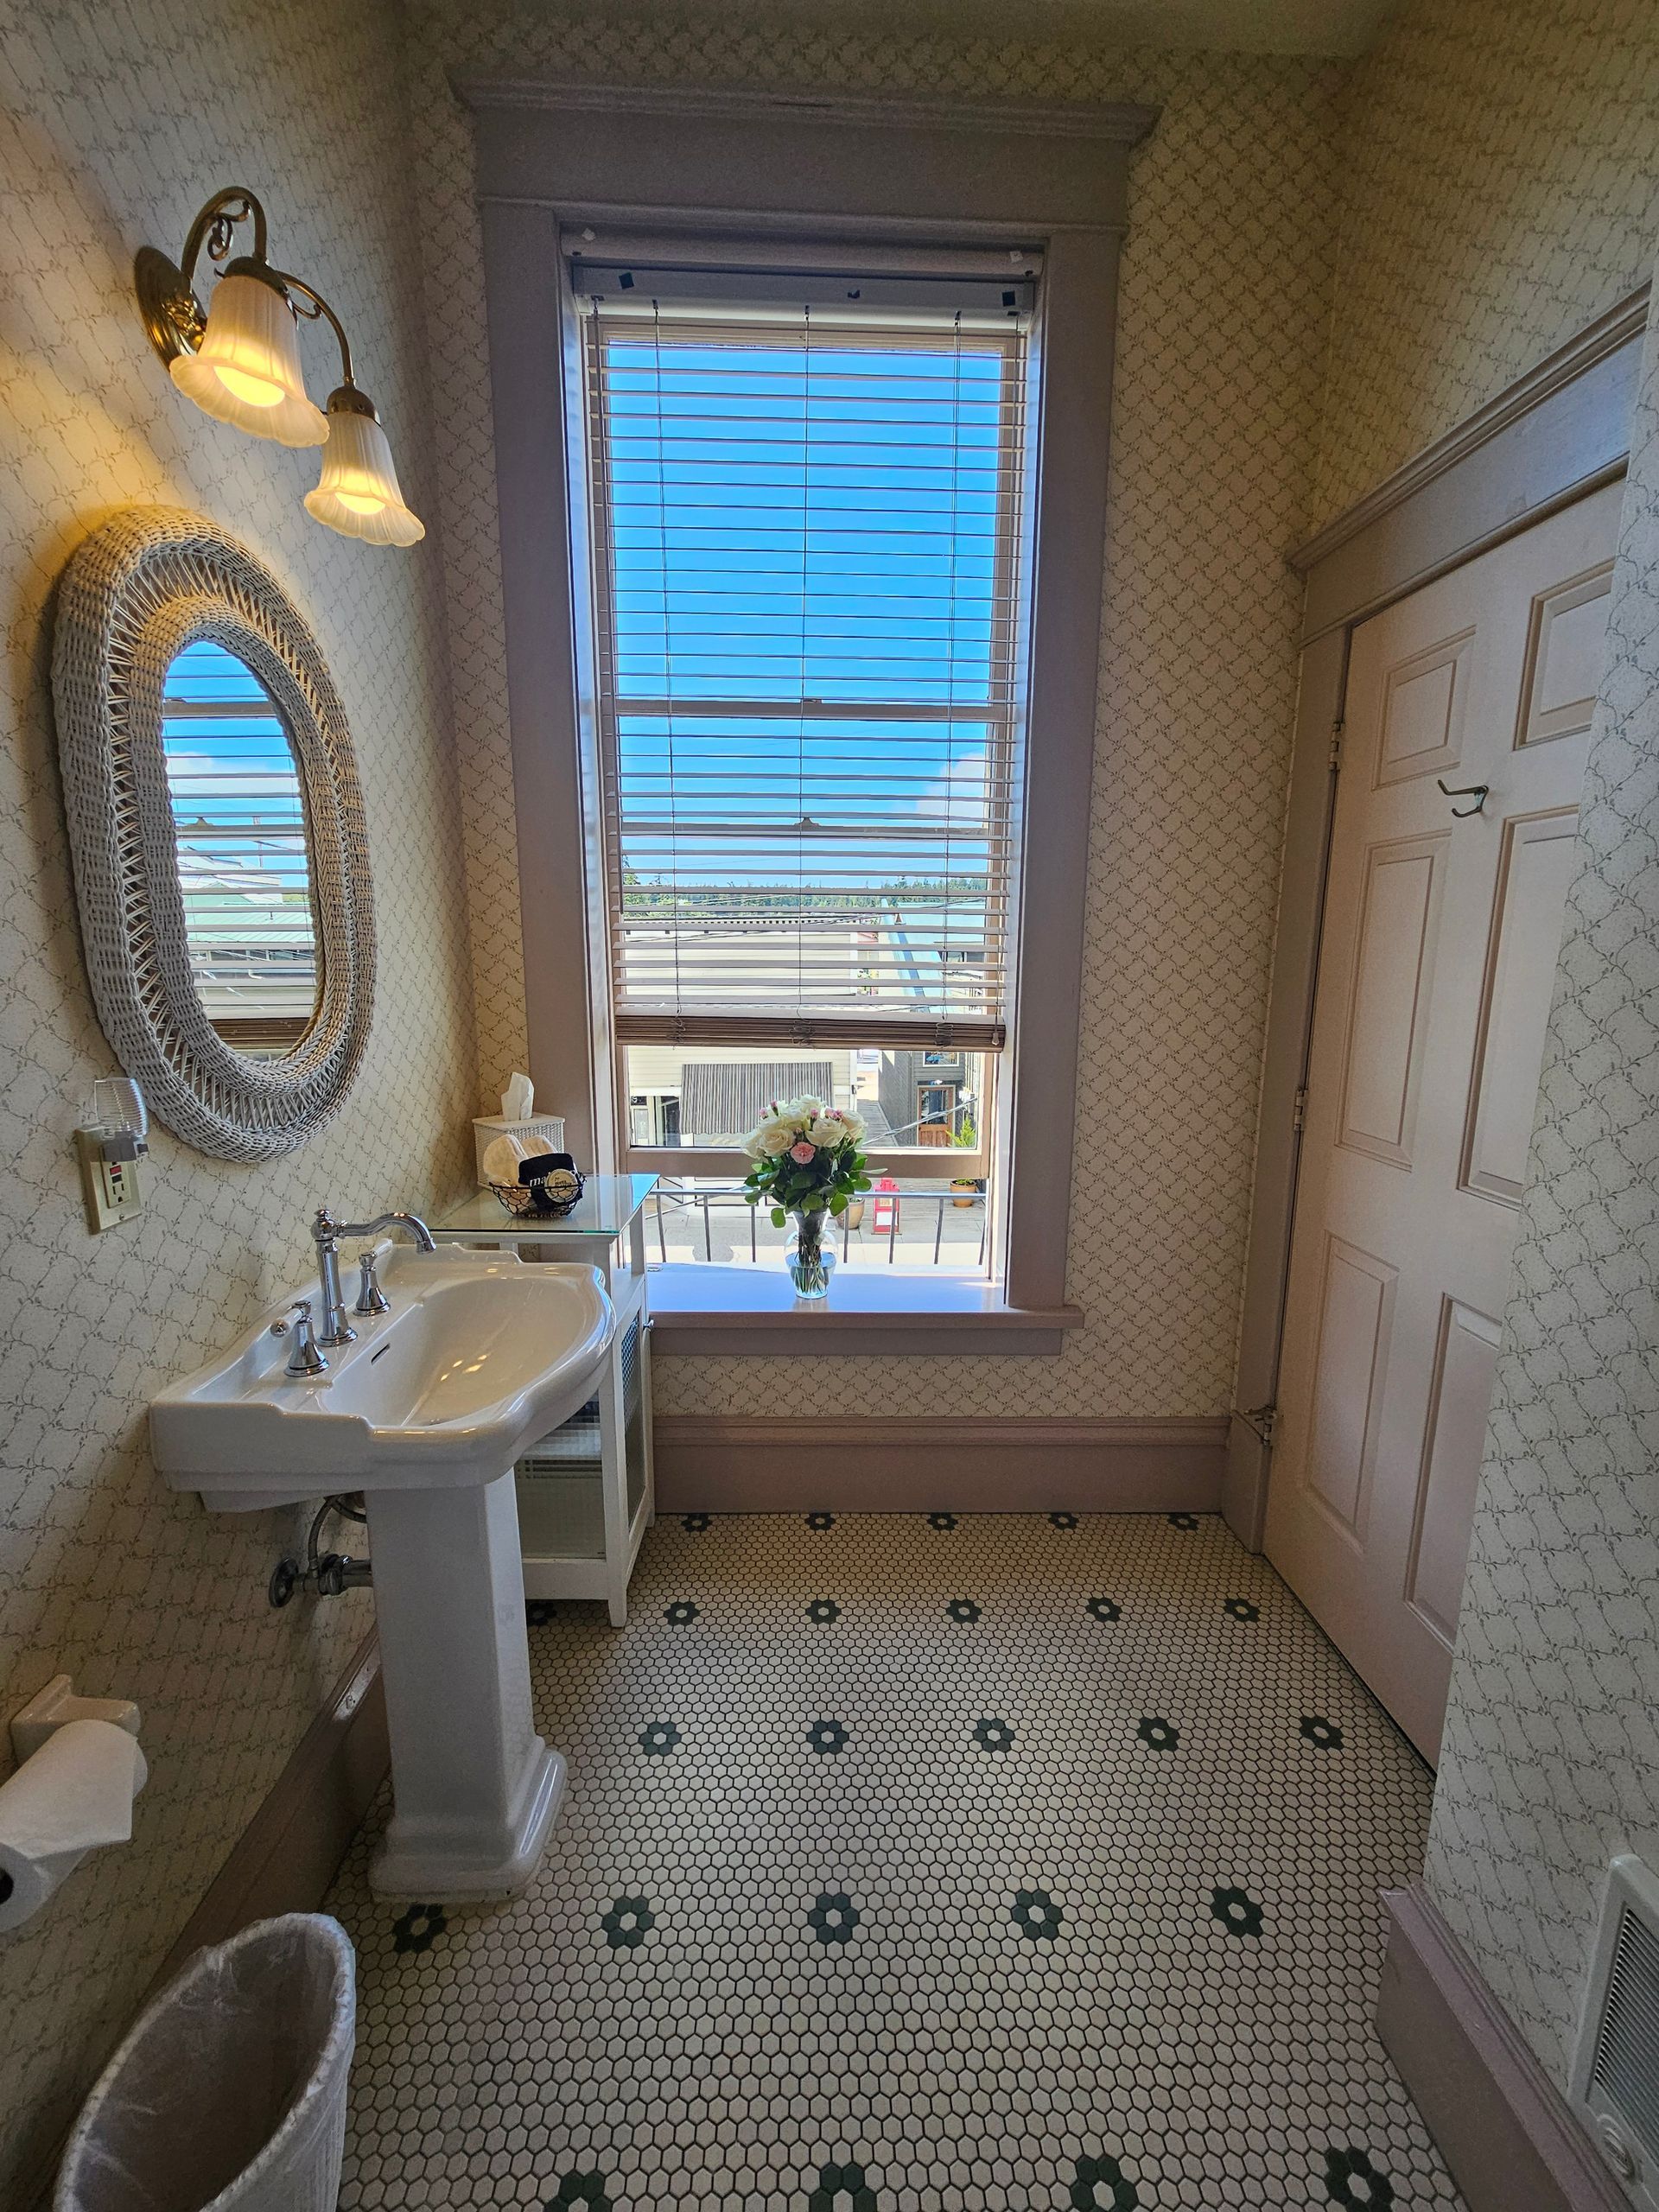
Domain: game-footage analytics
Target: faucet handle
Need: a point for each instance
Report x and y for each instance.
(304, 1359)
(371, 1299)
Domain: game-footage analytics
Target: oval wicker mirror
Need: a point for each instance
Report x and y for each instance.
(216, 829)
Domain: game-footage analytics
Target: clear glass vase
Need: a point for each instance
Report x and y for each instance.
(811, 1257)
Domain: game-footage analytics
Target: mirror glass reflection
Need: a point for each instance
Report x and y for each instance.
(244, 870)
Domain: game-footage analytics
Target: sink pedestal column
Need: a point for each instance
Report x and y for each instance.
(475, 1788)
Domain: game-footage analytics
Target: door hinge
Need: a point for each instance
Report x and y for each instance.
(1299, 1111)
(1335, 746)
(1263, 1419)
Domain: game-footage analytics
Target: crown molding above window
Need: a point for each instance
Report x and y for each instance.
(1124, 122)
(1000, 169)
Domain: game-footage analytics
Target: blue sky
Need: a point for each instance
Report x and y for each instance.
(788, 520)
(791, 521)
(235, 800)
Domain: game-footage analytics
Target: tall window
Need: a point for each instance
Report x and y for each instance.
(808, 519)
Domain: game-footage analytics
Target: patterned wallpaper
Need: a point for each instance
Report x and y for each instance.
(1500, 189)
(1222, 323)
(120, 119)
(1467, 251)
(1552, 1749)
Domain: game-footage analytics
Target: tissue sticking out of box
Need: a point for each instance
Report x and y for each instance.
(518, 1099)
(502, 1156)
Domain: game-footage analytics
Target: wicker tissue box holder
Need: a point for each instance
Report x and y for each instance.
(540, 1133)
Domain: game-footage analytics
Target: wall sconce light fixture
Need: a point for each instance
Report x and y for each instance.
(240, 363)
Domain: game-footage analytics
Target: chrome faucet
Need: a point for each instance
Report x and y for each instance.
(326, 1233)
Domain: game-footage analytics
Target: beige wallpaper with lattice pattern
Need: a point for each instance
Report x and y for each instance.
(1221, 328)
(1500, 187)
(120, 119)
(1498, 164)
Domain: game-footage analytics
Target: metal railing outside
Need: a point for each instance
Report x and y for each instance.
(881, 1226)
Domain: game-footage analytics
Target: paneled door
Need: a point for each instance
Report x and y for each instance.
(1442, 924)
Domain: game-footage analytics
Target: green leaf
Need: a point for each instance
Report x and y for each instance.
(862, 1184)
(778, 1217)
(838, 1204)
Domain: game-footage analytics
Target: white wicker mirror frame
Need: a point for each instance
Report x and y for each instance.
(148, 583)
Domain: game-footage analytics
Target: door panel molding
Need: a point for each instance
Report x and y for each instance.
(1533, 880)
(1566, 641)
(1414, 705)
(1356, 1293)
(1392, 970)
(1465, 1354)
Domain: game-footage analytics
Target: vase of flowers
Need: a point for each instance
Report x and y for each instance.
(808, 1165)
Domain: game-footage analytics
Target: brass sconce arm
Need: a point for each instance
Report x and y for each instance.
(174, 317)
(215, 227)
(312, 305)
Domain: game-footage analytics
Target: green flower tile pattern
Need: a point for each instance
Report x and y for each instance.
(935, 1968)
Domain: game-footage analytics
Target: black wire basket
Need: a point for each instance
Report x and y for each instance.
(528, 1201)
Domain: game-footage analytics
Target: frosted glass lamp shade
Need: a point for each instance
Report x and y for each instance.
(246, 372)
(357, 494)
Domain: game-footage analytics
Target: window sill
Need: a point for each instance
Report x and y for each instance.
(752, 1312)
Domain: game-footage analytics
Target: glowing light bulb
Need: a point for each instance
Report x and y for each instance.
(247, 370)
(358, 492)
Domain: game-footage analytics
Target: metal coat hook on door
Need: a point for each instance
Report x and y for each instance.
(1476, 792)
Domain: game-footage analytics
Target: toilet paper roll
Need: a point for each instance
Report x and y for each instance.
(74, 1794)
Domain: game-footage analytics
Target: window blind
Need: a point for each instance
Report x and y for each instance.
(239, 819)
(808, 525)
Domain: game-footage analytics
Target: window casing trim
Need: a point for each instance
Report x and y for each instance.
(958, 172)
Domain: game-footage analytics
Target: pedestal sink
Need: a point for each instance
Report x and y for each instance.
(425, 1414)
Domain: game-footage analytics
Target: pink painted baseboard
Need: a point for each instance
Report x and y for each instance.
(716, 1463)
(1502, 2126)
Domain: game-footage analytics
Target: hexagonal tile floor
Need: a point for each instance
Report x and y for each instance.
(918, 1864)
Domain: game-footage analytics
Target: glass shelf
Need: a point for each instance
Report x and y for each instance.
(608, 1204)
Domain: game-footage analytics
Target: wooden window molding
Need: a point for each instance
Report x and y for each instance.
(552, 157)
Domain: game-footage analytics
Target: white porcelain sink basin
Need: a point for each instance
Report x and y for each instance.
(425, 1414)
(480, 1354)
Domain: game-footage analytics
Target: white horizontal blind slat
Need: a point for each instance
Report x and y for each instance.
(807, 609)
(239, 818)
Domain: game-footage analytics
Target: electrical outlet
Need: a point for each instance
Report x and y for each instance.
(110, 1187)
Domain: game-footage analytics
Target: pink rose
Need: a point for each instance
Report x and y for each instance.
(806, 1154)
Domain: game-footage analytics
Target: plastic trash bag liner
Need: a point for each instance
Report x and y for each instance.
(230, 2091)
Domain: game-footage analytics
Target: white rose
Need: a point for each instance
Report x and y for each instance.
(775, 1139)
(852, 1126)
(823, 1131)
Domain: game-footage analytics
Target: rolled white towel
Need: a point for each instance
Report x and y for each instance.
(502, 1156)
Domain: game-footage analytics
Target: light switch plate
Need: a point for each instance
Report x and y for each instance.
(111, 1187)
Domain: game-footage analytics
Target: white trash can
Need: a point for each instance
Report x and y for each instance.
(229, 2095)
